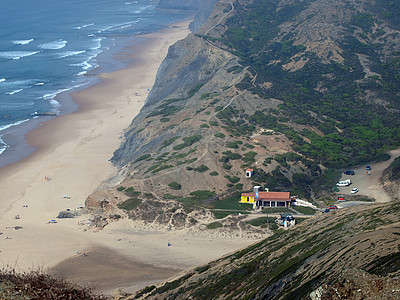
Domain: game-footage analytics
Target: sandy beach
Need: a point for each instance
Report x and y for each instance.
(71, 162)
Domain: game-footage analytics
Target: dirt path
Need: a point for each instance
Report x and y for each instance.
(369, 185)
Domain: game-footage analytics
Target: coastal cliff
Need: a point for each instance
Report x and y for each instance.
(291, 97)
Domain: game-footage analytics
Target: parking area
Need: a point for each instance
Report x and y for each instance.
(368, 184)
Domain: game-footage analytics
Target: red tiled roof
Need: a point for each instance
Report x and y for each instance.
(250, 170)
(270, 196)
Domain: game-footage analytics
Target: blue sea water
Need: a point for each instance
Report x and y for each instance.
(48, 46)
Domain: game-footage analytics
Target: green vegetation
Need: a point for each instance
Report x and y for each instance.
(130, 192)
(175, 186)
(219, 135)
(130, 204)
(143, 157)
(202, 194)
(204, 126)
(233, 144)
(188, 141)
(120, 188)
(160, 168)
(305, 210)
(214, 173)
(194, 90)
(169, 142)
(213, 123)
(214, 225)
(164, 120)
(233, 179)
(249, 157)
(232, 202)
(201, 169)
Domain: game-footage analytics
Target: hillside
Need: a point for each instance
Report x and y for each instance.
(297, 90)
(347, 254)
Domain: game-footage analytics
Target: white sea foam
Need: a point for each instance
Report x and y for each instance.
(22, 42)
(14, 92)
(70, 53)
(3, 146)
(17, 54)
(2, 79)
(39, 83)
(54, 45)
(83, 26)
(4, 127)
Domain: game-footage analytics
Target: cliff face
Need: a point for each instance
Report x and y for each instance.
(290, 93)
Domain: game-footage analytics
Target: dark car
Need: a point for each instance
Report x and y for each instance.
(349, 172)
(368, 168)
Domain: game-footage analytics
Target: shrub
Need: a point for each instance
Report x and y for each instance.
(219, 135)
(175, 186)
(201, 168)
(214, 225)
(130, 204)
(120, 188)
(188, 141)
(213, 123)
(233, 179)
(204, 126)
(143, 157)
(214, 173)
(130, 192)
(164, 120)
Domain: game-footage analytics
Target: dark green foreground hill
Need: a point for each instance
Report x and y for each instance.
(352, 254)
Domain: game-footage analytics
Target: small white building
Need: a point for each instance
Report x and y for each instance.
(249, 173)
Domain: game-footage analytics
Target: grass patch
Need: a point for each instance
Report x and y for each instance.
(232, 202)
(130, 204)
(214, 225)
(202, 194)
(305, 210)
(220, 214)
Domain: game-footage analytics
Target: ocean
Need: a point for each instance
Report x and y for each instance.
(50, 47)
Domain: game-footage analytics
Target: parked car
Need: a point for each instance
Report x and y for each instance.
(368, 168)
(327, 210)
(354, 191)
(349, 172)
(346, 182)
(333, 207)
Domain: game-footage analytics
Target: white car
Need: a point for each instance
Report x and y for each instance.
(354, 191)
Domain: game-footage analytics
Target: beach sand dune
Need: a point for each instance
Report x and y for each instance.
(71, 162)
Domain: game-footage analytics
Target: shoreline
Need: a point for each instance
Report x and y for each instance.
(74, 151)
(71, 162)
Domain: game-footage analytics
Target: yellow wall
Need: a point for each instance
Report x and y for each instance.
(247, 200)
